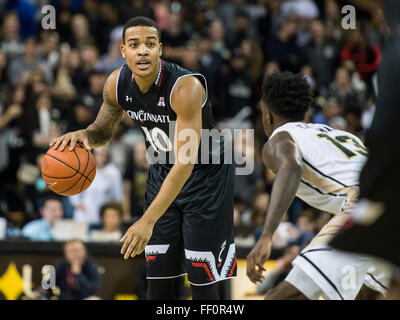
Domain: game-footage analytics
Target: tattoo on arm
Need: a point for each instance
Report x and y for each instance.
(107, 120)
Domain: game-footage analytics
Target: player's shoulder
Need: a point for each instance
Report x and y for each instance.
(114, 76)
(111, 85)
(175, 73)
(280, 143)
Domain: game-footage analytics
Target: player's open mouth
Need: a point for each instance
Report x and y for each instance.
(142, 65)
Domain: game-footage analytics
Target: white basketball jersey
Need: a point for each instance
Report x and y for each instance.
(332, 161)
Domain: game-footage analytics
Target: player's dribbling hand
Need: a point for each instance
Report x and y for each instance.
(136, 238)
(71, 138)
(256, 259)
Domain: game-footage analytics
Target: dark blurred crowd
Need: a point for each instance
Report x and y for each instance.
(51, 82)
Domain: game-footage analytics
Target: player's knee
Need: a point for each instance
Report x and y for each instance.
(161, 289)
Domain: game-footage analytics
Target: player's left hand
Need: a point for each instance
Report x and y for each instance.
(256, 259)
(136, 238)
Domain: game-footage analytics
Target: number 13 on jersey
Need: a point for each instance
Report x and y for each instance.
(352, 148)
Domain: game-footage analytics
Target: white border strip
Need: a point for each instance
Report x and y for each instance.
(116, 87)
(186, 75)
(170, 277)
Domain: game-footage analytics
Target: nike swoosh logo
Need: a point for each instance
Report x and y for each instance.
(51, 184)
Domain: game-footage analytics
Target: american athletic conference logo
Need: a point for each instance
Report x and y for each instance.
(161, 102)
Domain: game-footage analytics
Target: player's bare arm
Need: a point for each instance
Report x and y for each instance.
(102, 129)
(187, 99)
(282, 156)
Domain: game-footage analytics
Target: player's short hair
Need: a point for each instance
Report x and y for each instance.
(140, 22)
(288, 95)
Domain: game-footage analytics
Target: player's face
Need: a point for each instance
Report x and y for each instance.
(142, 50)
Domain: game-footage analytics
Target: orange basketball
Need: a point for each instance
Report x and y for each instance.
(68, 172)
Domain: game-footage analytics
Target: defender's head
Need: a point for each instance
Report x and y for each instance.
(286, 97)
(141, 46)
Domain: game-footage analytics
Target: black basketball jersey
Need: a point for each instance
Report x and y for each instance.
(153, 111)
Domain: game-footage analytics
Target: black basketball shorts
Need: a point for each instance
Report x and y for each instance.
(195, 235)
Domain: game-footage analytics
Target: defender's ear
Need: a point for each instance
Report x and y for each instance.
(269, 117)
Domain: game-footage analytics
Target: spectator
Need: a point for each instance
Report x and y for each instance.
(41, 229)
(11, 43)
(89, 101)
(283, 49)
(228, 11)
(342, 89)
(4, 82)
(269, 24)
(108, 21)
(241, 31)
(135, 181)
(21, 66)
(80, 32)
(236, 92)
(216, 33)
(133, 8)
(107, 186)
(111, 216)
(322, 54)
(12, 141)
(366, 56)
(77, 275)
(260, 209)
(174, 38)
(305, 225)
(330, 109)
(210, 64)
(190, 57)
(254, 54)
(112, 59)
(353, 115)
(89, 56)
(47, 118)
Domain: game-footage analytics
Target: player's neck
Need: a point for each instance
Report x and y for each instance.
(145, 84)
(280, 123)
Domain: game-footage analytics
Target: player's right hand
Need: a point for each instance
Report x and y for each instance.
(71, 138)
(256, 259)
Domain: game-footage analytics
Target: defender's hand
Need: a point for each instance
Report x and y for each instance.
(71, 138)
(136, 238)
(257, 257)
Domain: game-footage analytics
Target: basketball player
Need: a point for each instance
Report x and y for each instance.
(374, 225)
(187, 225)
(321, 166)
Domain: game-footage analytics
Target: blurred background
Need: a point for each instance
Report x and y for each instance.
(51, 82)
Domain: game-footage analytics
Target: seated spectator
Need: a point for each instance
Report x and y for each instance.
(41, 229)
(366, 56)
(107, 186)
(353, 114)
(77, 275)
(286, 234)
(111, 216)
(11, 42)
(322, 54)
(283, 49)
(112, 59)
(305, 225)
(135, 181)
(341, 88)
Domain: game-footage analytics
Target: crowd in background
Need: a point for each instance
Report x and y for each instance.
(51, 82)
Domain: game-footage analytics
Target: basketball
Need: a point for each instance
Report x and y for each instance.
(68, 172)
